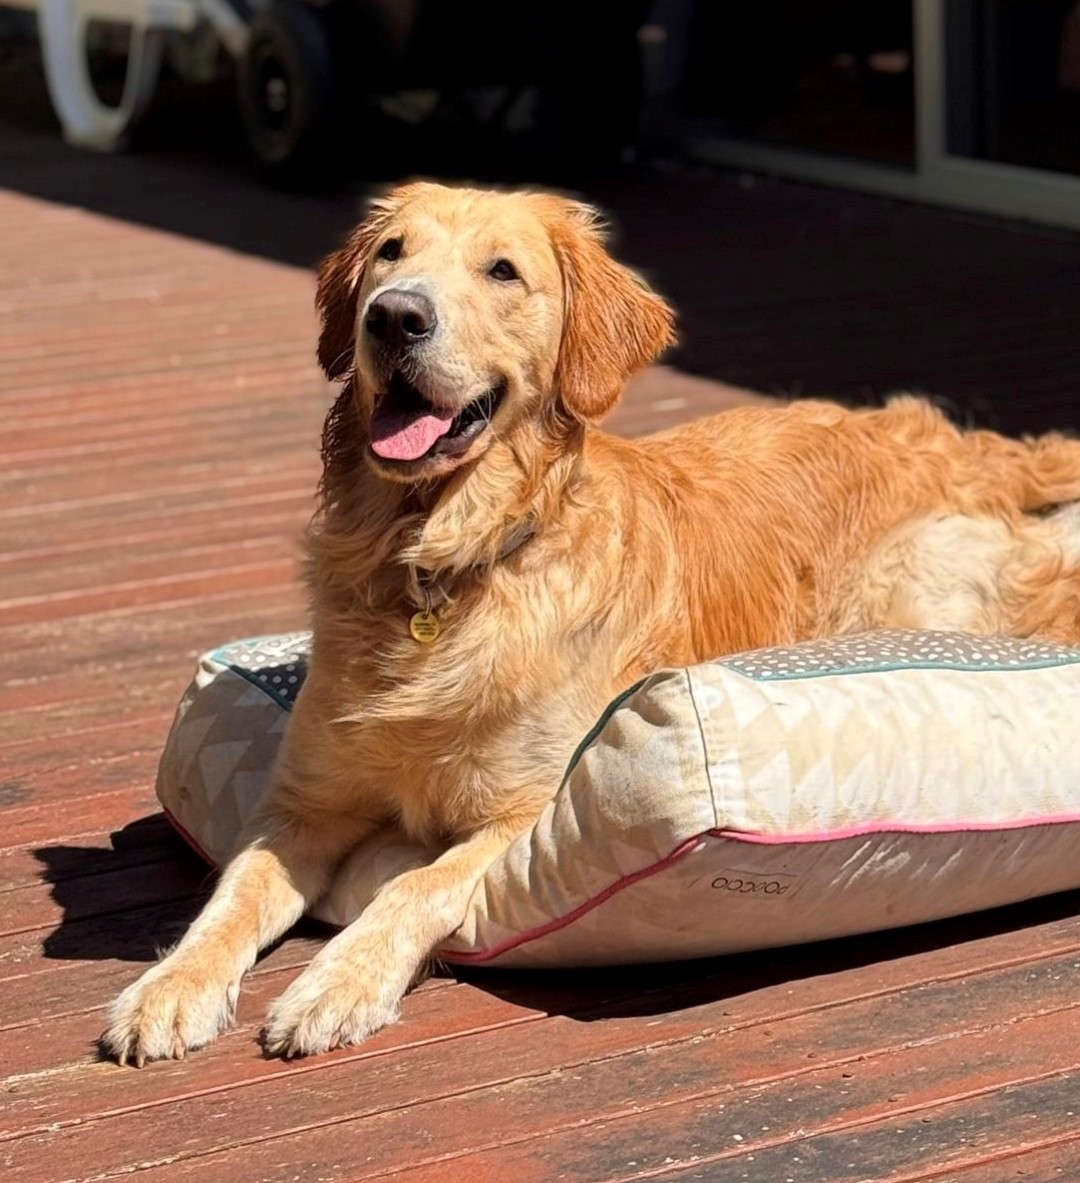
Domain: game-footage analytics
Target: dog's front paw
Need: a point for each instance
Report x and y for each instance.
(328, 1006)
(174, 1007)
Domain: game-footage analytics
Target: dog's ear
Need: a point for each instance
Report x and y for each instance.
(613, 324)
(340, 277)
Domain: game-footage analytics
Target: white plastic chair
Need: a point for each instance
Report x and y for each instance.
(62, 24)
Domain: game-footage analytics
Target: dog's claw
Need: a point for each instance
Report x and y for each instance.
(170, 1010)
(328, 1007)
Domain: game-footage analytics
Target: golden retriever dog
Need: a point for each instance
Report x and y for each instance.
(488, 569)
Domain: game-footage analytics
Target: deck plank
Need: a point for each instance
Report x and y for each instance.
(79, 972)
(1057, 1161)
(25, 910)
(145, 840)
(748, 1093)
(767, 1033)
(978, 1132)
(123, 638)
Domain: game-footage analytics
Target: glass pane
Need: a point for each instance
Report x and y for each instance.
(831, 76)
(1014, 81)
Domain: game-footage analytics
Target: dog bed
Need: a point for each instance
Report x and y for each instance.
(770, 798)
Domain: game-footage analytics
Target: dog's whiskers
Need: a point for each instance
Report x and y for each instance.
(344, 355)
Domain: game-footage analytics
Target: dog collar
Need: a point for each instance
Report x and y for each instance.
(424, 625)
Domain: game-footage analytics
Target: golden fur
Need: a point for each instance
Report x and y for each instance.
(563, 564)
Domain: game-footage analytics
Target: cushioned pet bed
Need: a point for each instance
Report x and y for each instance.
(770, 798)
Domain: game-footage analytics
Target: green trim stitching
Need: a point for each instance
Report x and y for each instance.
(599, 726)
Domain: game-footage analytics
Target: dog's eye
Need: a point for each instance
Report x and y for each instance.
(503, 269)
(390, 250)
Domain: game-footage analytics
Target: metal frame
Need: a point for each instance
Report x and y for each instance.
(939, 177)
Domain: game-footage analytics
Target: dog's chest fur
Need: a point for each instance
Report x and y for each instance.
(448, 735)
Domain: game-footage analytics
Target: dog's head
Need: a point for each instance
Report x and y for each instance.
(460, 313)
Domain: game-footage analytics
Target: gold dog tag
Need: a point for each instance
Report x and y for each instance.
(424, 627)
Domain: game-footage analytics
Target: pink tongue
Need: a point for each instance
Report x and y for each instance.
(397, 436)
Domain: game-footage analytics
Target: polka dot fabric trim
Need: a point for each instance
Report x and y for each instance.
(276, 665)
(898, 650)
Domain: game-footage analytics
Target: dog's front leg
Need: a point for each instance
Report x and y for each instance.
(284, 864)
(355, 984)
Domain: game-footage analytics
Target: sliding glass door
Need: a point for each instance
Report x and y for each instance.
(972, 103)
(1013, 82)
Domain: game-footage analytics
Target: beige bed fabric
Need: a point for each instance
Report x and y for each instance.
(769, 798)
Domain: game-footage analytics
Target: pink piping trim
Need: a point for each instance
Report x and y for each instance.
(542, 930)
(1051, 819)
(562, 921)
(188, 838)
(690, 844)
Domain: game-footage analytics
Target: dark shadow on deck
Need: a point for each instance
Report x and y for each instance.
(784, 288)
(132, 899)
(587, 995)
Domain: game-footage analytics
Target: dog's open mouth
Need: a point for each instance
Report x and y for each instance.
(406, 426)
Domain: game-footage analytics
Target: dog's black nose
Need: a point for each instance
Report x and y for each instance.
(400, 318)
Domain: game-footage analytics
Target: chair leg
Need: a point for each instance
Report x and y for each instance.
(88, 122)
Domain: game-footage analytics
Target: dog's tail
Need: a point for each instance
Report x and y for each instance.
(1035, 473)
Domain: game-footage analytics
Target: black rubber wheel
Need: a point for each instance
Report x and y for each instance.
(289, 89)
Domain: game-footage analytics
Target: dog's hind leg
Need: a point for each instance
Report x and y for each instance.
(978, 575)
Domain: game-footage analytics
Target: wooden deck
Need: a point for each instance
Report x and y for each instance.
(160, 413)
